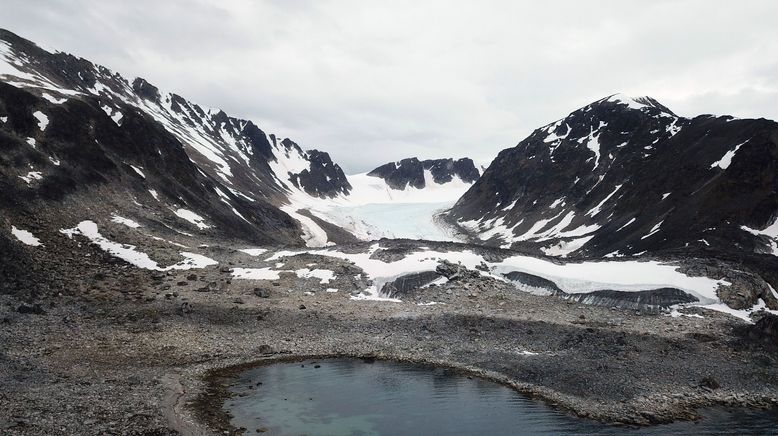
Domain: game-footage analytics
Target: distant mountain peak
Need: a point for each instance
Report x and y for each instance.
(637, 103)
(411, 172)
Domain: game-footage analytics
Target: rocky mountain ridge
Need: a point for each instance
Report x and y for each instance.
(625, 176)
(411, 172)
(70, 126)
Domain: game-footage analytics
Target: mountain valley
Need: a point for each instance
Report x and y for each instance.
(620, 263)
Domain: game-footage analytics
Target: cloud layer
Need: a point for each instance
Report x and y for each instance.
(373, 82)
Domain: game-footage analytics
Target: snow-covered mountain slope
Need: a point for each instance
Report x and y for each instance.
(69, 125)
(623, 176)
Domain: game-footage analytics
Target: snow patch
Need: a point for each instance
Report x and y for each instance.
(653, 230)
(192, 217)
(32, 175)
(138, 170)
(627, 224)
(324, 275)
(125, 221)
(596, 209)
(726, 160)
(253, 251)
(129, 254)
(43, 120)
(255, 273)
(25, 237)
(53, 99)
(564, 248)
(571, 277)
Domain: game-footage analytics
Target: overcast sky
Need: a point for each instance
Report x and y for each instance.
(372, 82)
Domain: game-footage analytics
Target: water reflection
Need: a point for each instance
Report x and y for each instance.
(352, 397)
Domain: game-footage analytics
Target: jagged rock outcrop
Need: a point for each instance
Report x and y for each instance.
(412, 172)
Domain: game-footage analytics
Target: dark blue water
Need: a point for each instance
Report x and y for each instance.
(354, 397)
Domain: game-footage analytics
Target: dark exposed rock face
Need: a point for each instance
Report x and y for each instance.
(324, 179)
(648, 301)
(410, 172)
(404, 285)
(532, 281)
(766, 329)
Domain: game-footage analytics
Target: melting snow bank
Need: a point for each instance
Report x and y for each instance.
(25, 237)
(129, 254)
(324, 275)
(192, 217)
(125, 221)
(255, 273)
(572, 278)
(253, 251)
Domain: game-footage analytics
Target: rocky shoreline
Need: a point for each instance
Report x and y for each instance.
(157, 358)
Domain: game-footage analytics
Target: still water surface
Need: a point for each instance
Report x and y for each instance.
(356, 397)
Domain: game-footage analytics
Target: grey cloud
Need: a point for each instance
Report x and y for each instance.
(372, 81)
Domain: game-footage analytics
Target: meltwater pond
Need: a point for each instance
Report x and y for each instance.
(358, 397)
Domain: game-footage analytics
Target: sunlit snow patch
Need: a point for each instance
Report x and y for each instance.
(125, 221)
(25, 237)
(32, 175)
(255, 273)
(253, 251)
(324, 275)
(129, 254)
(629, 276)
(726, 160)
(137, 170)
(193, 218)
(53, 99)
(43, 120)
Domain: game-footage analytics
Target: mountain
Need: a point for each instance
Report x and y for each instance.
(413, 172)
(82, 142)
(625, 176)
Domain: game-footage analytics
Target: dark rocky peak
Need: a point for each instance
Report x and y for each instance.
(257, 139)
(291, 146)
(617, 117)
(145, 89)
(444, 170)
(411, 172)
(311, 171)
(324, 178)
